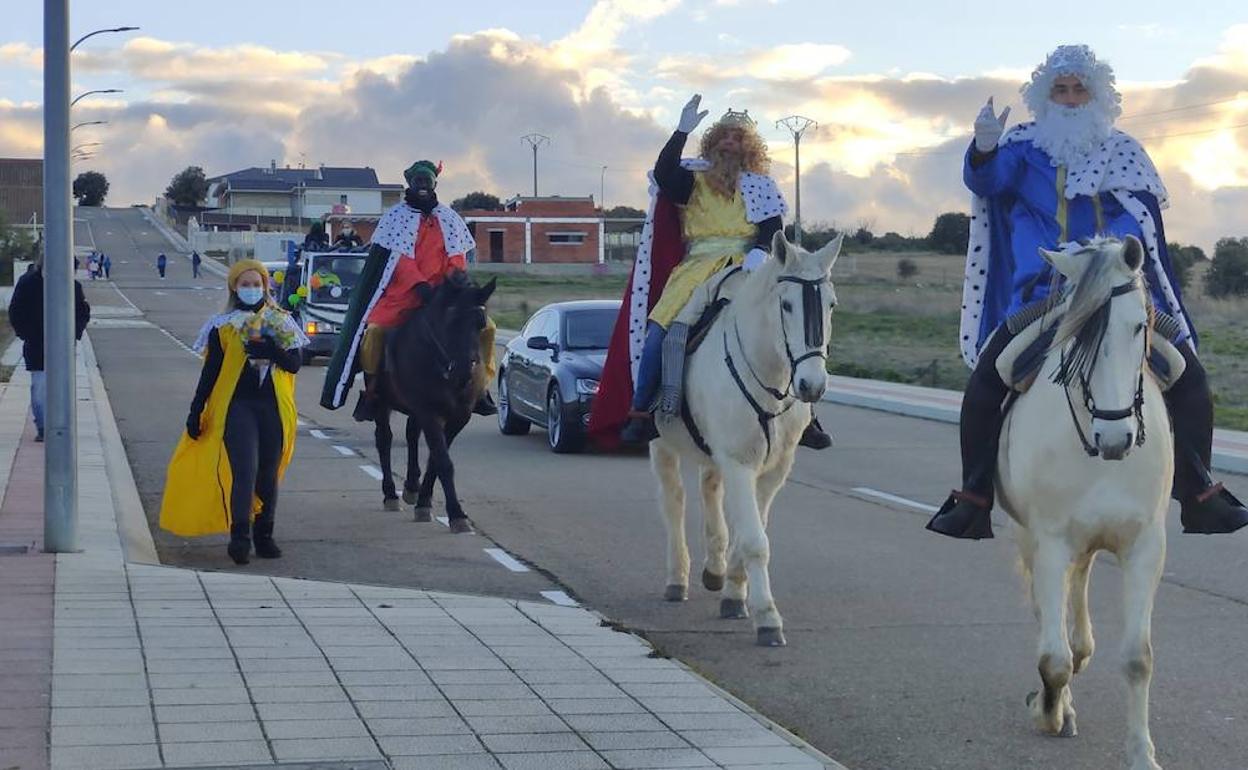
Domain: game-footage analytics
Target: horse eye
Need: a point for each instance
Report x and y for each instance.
(786, 306)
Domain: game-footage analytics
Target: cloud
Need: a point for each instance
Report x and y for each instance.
(784, 63)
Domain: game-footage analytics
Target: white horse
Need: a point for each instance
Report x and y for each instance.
(1095, 396)
(746, 387)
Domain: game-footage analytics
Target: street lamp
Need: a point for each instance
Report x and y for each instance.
(78, 147)
(80, 97)
(100, 32)
(797, 125)
(88, 123)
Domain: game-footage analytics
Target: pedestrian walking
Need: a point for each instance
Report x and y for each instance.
(107, 264)
(26, 316)
(161, 263)
(240, 433)
(196, 261)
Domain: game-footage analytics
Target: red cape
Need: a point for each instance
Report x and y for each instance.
(615, 389)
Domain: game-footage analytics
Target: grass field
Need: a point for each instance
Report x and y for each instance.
(906, 330)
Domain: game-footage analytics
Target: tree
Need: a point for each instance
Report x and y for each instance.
(1183, 258)
(188, 187)
(90, 188)
(15, 243)
(1228, 275)
(624, 212)
(950, 233)
(477, 201)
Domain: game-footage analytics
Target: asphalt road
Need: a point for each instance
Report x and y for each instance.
(906, 650)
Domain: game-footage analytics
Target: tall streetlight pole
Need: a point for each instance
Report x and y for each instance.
(602, 191)
(797, 125)
(535, 141)
(80, 97)
(78, 42)
(77, 126)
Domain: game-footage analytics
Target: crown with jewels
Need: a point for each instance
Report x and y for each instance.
(1071, 59)
(737, 118)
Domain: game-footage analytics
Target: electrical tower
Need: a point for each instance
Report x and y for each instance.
(797, 125)
(535, 141)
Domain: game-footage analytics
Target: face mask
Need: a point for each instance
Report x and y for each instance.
(250, 295)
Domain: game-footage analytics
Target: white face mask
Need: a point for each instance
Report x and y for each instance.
(250, 295)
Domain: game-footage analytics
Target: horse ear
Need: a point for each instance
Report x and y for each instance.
(1133, 253)
(1061, 261)
(830, 252)
(484, 292)
(780, 247)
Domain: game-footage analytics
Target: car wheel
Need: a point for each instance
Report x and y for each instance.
(563, 432)
(508, 423)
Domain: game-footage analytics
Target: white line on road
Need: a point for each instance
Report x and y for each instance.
(300, 422)
(443, 521)
(314, 433)
(372, 470)
(560, 598)
(345, 451)
(505, 559)
(895, 499)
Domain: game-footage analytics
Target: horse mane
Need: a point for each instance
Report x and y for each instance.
(1087, 315)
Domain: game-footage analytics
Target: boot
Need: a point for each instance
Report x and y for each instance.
(639, 429)
(967, 513)
(1207, 507)
(239, 548)
(485, 405)
(262, 532)
(366, 407)
(814, 437)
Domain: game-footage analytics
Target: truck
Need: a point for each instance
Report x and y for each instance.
(324, 280)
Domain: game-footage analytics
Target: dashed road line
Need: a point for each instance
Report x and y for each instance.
(505, 559)
(372, 470)
(896, 499)
(443, 520)
(317, 433)
(560, 598)
(345, 451)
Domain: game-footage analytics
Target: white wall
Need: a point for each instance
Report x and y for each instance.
(321, 200)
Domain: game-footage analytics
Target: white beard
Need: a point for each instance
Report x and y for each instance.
(1070, 134)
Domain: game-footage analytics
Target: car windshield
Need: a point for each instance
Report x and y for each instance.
(333, 277)
(588, 329)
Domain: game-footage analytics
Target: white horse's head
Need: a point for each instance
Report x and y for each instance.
(797, 295)
(1103, 338)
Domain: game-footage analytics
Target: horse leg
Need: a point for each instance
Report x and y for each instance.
(412, 480)
(440, 463)
(1141, 571)
(384, 438)
(1082, 644)
(714, 530)
(752, 550)
(769, 484)
(666, 466)
(1052, 707)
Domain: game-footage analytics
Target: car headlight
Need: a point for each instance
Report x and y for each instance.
(319, 327)
(587, 387)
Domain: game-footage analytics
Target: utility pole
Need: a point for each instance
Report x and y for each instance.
(797, 125)
(602, 191)
(60, 482)
(535, 141)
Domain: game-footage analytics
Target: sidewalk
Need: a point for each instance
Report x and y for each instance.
(110, 663)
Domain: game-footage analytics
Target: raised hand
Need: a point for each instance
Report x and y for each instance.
(689, 116)
(989, 127)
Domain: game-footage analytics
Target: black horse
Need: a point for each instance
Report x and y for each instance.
(433, 373)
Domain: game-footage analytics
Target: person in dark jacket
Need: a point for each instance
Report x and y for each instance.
(196, 261)
(26, 316)
(161, 262)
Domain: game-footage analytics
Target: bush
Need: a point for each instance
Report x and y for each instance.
(906, 268)
(1228, 275)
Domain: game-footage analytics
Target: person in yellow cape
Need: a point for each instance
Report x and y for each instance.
(240, 433)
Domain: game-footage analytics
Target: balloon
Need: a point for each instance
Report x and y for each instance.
(293, 300)
(315, 281)
(302, 291)
(279, 276)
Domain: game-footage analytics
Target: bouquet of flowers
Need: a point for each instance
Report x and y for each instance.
(268, 321)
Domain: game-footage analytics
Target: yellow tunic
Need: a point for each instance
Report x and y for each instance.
(197, 485)
(717, 234)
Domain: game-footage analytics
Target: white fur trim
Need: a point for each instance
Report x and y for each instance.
(639, 302)
(397, 230)
(1136, 208)
(346, 376)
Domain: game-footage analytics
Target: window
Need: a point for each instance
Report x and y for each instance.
(342, 199)
(566, 238)
(537, 325)
(589, 329)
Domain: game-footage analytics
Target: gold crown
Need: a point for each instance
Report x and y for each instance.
(737, 118)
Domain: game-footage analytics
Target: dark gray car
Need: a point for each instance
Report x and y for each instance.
(549, 373)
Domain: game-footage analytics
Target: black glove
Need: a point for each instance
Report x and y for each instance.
(425, 291)
(458, 278)
(192, 424)
(263, 348)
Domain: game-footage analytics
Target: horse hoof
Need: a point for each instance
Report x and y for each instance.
(711, 581)
(390, 503)
(1068, 727)
(733, 609)
(771, 637)
(423, 514)
(460, 526)
(675, 593)
(409, 497)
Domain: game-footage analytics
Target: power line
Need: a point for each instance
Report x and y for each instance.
(1184, 108)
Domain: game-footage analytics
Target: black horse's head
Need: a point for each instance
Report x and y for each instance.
(451, 329)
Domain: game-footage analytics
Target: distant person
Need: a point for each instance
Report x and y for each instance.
(347, 239)
(93, 266)
(26, 316)
(161, 263)
(107, 264)
(196, 261)
(240, 433)
(316, 240)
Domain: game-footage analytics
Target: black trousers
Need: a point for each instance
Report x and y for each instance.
(1189, 402)
(253, 442)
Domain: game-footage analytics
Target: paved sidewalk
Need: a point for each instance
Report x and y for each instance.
(155, 666)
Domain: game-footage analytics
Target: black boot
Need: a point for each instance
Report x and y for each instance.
(814, 437)
(262, 532)
(485, 405)
(967, 513)
(366, 407)
(639, 429)
(239, 548)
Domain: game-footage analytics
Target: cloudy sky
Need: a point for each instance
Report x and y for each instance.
(894, 87)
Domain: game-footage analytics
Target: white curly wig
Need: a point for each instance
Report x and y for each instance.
(1078, 60)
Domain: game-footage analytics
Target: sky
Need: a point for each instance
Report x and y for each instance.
(894, 87)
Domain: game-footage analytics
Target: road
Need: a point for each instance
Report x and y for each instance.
(906, 650)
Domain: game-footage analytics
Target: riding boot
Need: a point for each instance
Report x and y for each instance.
(815, 437)
(640, 427)
(366, 407)
(262, 533)
(239, 548)
(485, 405)
(1208, 508)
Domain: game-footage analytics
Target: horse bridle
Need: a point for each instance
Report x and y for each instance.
(441, 357)
(1109, 415)
(812, 318)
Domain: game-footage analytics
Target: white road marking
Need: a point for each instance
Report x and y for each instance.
(314, 433)
(300, 422)
(344, 450)
(180, 343)
(443, 521)
(372, 470)
(895, 499)
(505, 559)
(560, 598)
